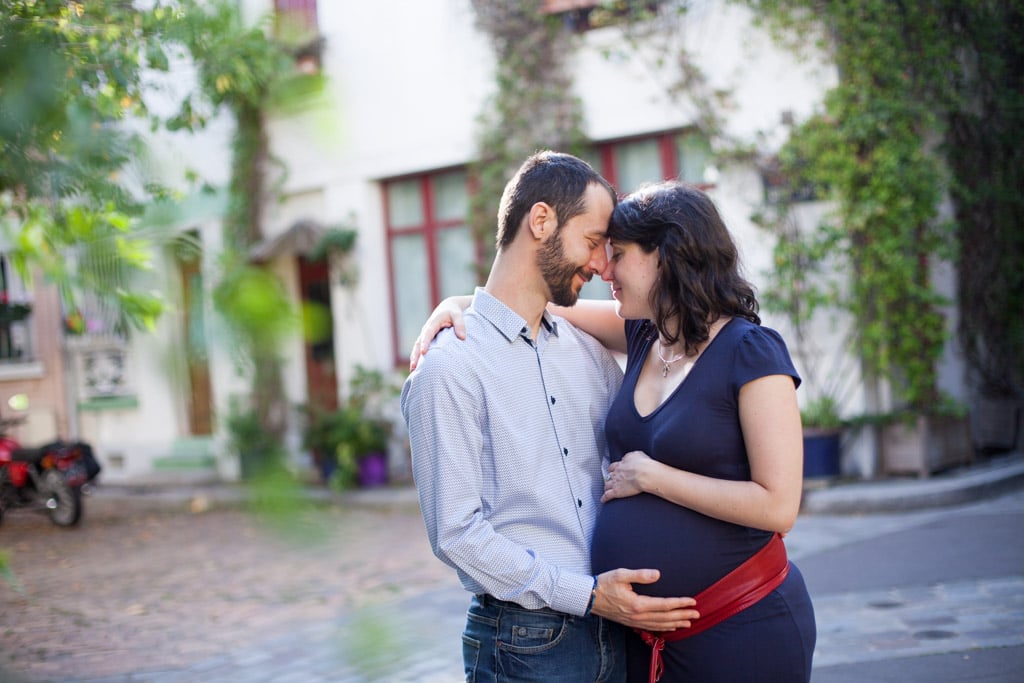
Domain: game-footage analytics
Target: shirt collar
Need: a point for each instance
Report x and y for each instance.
(505, 320)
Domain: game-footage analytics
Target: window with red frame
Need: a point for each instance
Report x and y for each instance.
(584, 15)
(431, 248)
(295, 26)
(627, 164)
(296, 16)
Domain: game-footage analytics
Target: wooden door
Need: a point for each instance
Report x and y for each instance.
(200, 404)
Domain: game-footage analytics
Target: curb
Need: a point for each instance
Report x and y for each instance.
(964, 485)
(991, 478)
(198, 498)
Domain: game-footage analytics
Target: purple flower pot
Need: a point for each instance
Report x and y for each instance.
(373, 470)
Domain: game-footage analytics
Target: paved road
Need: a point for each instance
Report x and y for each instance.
(932, 596)
(353, 595)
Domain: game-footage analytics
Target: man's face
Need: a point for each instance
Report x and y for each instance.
(575, 252)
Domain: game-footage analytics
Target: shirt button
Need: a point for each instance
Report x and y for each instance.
(521, 631)
(579, 503)
(552, 400)
(565, 451)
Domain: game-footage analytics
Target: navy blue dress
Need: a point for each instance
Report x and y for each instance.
(697, 429)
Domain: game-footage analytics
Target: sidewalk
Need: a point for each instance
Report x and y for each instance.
(978, 481)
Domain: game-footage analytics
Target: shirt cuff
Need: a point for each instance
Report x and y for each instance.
(572, 594)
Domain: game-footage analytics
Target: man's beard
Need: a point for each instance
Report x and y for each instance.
(558, 272)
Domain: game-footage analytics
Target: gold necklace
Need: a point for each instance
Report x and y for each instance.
(667, 362)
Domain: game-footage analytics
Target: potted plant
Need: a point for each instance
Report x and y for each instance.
(324, 430)
(879, 277)
(258, 452)
(799, 288)
(350, 443)
(823, 429)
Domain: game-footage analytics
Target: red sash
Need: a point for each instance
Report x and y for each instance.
(739, 589)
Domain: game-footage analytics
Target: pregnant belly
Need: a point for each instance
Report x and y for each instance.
(691, 550)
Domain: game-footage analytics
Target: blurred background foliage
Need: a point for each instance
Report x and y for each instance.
(73, 163)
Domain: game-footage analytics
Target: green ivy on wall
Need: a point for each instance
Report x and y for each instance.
(986, 160)
(534, 106)
(876, 150)
(244, 70)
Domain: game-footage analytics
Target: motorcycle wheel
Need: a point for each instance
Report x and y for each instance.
(63, 502)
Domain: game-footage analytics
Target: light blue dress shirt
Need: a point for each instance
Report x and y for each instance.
(508, 449)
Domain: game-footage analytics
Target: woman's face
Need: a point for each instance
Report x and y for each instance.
(632, 273)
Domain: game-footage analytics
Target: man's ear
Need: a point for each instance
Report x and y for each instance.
(542, 220)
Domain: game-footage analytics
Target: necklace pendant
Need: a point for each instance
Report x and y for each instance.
(666, 363)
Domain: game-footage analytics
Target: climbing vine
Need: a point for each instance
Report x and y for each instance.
(244, 70)
(876, 150)
(534, 106)
(986, 160)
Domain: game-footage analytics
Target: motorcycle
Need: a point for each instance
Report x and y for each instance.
(52, 477)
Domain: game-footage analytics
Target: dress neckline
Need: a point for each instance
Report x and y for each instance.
(653, 339)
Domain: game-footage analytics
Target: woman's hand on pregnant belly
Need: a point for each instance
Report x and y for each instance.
(615, 599)
(626, 477)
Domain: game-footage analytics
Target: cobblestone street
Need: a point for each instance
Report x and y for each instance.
(349, 592)
(136, 591)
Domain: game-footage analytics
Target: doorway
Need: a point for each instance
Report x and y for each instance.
(321, 373)
(200, 403)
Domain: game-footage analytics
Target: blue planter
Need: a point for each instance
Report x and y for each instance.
(821, 454)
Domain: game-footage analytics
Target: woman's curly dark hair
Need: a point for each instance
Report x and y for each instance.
(699, 276)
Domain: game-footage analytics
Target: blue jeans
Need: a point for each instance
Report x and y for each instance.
(506, 643)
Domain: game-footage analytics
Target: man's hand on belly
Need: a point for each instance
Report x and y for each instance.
(616, 600)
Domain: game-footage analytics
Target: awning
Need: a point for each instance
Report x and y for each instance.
(298, 240)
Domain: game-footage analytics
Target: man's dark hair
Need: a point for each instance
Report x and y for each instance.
(557, 179)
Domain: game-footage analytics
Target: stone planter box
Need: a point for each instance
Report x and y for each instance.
(995, 424)
(928, 445)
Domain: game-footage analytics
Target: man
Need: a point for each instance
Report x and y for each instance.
(507, 435)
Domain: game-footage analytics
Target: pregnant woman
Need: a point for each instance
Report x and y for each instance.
(705, 445)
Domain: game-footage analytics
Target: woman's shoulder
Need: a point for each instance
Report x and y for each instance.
(743, 330)
(758, 351)
(638, 331)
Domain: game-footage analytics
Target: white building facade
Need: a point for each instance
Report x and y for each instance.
(385, 151)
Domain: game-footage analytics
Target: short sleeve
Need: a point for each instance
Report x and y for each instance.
(761, 352)
(638, 333)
